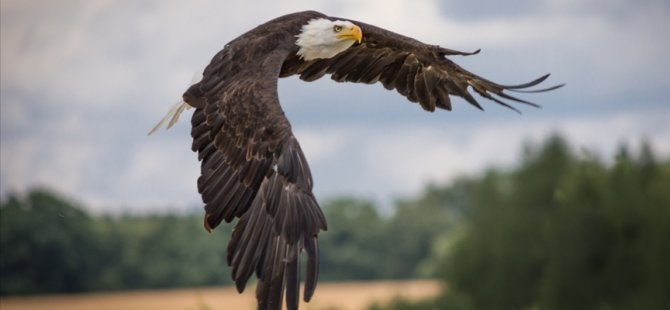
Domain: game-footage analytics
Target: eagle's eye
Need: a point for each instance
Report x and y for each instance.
(337, 28)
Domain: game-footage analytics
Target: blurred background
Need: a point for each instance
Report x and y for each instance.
(560, 207)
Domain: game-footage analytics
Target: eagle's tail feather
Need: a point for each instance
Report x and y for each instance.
(176, 109)
(172, 114)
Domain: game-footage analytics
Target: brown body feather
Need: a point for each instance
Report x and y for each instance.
(252, 165)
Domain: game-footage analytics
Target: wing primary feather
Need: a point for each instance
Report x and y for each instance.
(241, 204)
(529, 84)
(538, 90)
(401, 77)
(468, 97)
(312, 249)
(443, 100)
(500, 102)
(412, 71)
(384, 59)
(294, 222)
(506, 96)
(211, 167)
(423, 95)
(252, 240)
(215, 183)
(390, 73)
(448, 51)
(482, 88)
(292, 275)
(277, 282)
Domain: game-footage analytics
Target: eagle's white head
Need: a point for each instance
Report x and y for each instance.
(324, 38)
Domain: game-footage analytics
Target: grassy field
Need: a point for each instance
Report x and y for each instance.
(331, 296)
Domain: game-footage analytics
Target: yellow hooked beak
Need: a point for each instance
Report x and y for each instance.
(353, 33)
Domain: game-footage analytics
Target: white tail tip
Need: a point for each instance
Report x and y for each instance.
(172, 114)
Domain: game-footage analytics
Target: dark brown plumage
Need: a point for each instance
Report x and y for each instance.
(252, 165)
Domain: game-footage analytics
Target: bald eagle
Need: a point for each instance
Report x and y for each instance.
(252, 166)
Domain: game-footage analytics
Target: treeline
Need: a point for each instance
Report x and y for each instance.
(561, 230)
(48, 244)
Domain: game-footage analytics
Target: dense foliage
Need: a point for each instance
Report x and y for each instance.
(49, 245)
(559, 231)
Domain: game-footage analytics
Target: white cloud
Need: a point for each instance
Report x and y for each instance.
(401, 160)
(68, 66)
(42, 163)
(161, 173)
(322, 144)
(380, 163)
(13, 114)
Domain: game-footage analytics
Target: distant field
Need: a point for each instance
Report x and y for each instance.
(330, 296)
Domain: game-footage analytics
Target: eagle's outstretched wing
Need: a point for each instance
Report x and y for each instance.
(418, 71)
(254, 169)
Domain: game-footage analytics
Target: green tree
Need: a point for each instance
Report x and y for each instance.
(565, 232)
(414, 228)
(361, 244)
(47, 245)
(161, 251)
(615, 223)
(353, 245)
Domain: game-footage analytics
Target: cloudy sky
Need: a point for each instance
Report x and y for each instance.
(83, 81)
